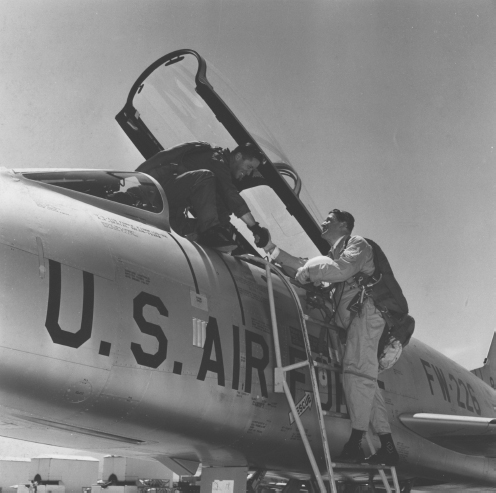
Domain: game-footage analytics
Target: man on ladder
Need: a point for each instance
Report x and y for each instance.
(348, 256)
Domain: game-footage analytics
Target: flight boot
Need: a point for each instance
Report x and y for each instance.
(352, 451)
(387, 455)
(351, 454)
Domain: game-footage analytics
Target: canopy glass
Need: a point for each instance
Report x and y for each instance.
(173, 102)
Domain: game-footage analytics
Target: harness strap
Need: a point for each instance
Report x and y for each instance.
(386, 315)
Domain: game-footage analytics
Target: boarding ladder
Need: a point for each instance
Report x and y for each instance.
(280, 385)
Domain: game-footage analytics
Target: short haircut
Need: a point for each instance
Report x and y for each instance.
(344, 217)
(249, 151)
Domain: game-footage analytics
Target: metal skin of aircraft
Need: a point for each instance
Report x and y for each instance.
(119, 336)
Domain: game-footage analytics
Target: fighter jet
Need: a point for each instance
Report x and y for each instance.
(119, 336)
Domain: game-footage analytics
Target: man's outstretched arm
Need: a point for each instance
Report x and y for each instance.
(284, 259)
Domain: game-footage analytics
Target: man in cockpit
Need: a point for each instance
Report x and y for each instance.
(348, 256)
(204, 182)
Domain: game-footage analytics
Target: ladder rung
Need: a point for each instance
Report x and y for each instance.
(327, 325)
(334, 414)
(318, 364)
(295, 366)
(359, 467)
(327, 366)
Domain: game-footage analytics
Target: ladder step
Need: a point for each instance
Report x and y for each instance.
(319, 322)
(359, 467)
(318, 364)
(334, 414)
(327, 366)
(326, 325)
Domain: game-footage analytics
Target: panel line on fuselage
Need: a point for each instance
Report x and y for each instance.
(235, 286)
(189, 263)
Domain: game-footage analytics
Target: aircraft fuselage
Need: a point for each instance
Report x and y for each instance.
(121, 337)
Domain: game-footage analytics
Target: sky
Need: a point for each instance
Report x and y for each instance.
(386, 108)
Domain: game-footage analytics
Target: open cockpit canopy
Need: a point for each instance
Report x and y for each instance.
(173, 102)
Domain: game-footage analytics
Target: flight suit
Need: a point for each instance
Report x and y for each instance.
(205, 183)
(360, 366)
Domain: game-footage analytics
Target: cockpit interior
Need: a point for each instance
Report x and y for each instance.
(128, 188)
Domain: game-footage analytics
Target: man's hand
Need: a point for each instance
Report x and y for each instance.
(302, 275)
(262, 235)
(270, 246)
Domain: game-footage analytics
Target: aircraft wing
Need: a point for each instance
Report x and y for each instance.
(465, 434)
(173, 102)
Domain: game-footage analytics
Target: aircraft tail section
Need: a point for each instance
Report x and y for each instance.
(487, 373)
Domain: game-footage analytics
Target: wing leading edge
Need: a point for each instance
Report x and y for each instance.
(464, 434)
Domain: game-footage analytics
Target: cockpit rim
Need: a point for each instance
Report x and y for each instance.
(159, 220)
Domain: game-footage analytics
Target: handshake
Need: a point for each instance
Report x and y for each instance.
(292, 266)
(261, 235)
